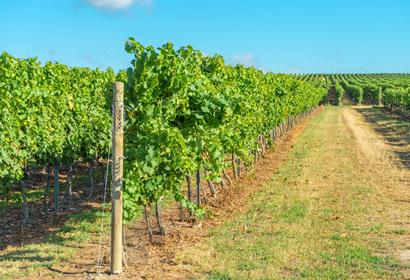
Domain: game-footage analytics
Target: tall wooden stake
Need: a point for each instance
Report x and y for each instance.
(117, 169)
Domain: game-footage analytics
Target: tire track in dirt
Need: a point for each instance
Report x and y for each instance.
(393, 180)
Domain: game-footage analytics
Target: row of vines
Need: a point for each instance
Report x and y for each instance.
(50, 115)
(391, 90)
(187, 115)
(191, 115)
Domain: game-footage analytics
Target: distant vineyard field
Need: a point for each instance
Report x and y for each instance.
(390, 89)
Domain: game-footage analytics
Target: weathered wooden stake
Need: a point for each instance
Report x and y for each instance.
(56, 186)
(117, 175)
(189, 184)
(210, 184)
(24, 202)
(158, 213)
(198, 188)
(46, 191)
(90, 176)
(233, 166)
(227, 176)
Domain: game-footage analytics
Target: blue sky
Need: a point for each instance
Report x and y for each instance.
(277, 35)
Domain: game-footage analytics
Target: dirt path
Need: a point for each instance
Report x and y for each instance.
(332, 202)
(391, 174)
(338, 208)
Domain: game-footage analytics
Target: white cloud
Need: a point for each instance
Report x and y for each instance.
(294, 70)
(118, 4)
(246, 59)
(144, 3)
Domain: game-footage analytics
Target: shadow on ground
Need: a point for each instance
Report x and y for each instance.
(49, 239)
(51, 246)
(394, 129)
(44, 223)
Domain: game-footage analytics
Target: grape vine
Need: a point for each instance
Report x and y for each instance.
(188, 112)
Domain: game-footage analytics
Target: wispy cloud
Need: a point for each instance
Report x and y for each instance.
(113, 5)
(51, 55)
(294, 70)
(90, 60)
(144, 3)
(246, 59)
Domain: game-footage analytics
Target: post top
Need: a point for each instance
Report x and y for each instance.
(118, 91)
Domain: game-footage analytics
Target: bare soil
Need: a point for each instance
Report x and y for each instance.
(41, 224)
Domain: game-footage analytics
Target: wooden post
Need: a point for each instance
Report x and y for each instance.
(238, 167)
(56, 186)
(198, 188)
(117, 175)
(189, 184)
(233, 166)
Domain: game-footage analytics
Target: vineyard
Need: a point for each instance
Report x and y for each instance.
(186, 113)
(51, 115)
(204, 140)
(390, 89)
(194, 126)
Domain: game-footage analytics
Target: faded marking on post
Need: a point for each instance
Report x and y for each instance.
(118, 169)
(119, 119)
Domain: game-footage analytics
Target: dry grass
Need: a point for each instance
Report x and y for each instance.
(330, 212)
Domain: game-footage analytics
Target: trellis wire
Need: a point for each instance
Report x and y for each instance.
(100, 242)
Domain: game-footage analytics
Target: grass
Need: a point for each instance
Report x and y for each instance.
(295, 212)
(394, 129)
(310, 222)
(57, 247)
